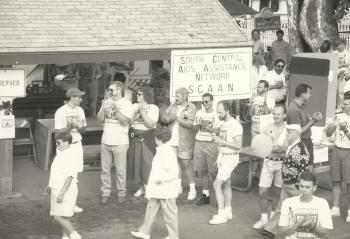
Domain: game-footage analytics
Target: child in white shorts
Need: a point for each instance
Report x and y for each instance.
(63, 185)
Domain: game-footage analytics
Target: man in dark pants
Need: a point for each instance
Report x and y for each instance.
(298, 114)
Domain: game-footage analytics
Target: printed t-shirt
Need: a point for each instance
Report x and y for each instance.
(341, 140)
(213, 122)
(228, 131)
(114, 133)
(152, 111)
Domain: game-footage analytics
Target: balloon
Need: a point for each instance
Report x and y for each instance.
(261, 145)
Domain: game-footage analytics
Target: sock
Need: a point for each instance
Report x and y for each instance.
(337, 208)
(206, 193)
(228, 209)
(349, 213)
(264, 217)
(221, 212)
(192, 187)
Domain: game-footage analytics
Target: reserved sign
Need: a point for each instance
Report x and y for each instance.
(12, 83)
(223, 72)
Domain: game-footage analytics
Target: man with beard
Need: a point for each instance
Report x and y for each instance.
(229, 144)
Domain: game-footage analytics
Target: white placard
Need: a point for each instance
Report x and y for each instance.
(12, 83)
(7, 126)
(320, 154)
(223, 72)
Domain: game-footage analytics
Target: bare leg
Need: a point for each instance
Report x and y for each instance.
(227, 193)
(348, 191)
(219, 194)
(263, 201)
(336, 193)
(276, 196)
(188, 170)
(205, 180)
(65, 223)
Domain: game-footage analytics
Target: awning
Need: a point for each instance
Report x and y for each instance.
(71, 31)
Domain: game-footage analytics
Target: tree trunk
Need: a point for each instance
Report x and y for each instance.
(316, 22)
(295, 37)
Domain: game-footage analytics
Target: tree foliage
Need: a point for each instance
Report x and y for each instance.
(342, 9)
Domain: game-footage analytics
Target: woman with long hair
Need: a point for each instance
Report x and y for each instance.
(142, 144)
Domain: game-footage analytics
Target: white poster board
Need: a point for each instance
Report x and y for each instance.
(7, 126)
(223, 72)
(12, 83)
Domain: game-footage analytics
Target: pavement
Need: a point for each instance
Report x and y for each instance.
(28, 216)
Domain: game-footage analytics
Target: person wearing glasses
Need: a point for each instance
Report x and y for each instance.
(277, 81)
(180, 116)
(206, 122)
(340, 163)
(115, 114)
(70, 118)
(142, 144)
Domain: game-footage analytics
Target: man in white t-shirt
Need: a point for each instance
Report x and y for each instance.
(229, 144)
(305, 216)
(260, 104)
(339, 164)
(71, 118)
(206, 122)
(277, 81)
(115, 113)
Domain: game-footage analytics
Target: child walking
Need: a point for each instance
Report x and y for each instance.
(63, 185)
(162, 189)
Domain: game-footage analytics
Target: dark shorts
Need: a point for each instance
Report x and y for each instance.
(310, 147)
(340, 165)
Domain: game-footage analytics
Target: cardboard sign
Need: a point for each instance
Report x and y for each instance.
(223, 72)
(7, 126)
(12, 83)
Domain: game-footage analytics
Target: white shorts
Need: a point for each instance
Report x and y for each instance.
(226, 164)
(77, 148)
(271, 172)
(66, 207)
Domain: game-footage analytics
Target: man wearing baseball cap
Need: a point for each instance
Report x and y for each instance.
(295, 162)
(71, 118)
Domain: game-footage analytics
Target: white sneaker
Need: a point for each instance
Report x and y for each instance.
(191, 195)
(75, 235)
(228, 214)
(65, 237)
(78, 209)
(347, 218)
(335, 212)
(139, 193)
(260, 224)
(140, 235)
(218, 219)
(170, 238)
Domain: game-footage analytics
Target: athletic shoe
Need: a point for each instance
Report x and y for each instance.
(139, 193)
(75, 235)
(260, 224)
(78, 209)
(203, 200)
(104, 200)
(228, 214)
(218, 219)
(191, 195)
(347, 218)
(170, 238)
(335, 212)
(65, 237)
(140, 235)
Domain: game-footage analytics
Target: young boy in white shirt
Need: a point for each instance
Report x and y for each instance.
(162, 189)
(63, 185)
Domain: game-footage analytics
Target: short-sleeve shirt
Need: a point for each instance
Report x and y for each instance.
(62, 167)
(273, 78)
(152, 112)
(293, 209)
(298, 114)
(341, 140)
(114, 133)
(278, 134)
(228, 131)
(213, 122)
(65, 115)
(258, 102)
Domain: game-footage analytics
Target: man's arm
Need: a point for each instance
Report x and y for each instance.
(101, 114)
(322, 232)
(185, 123)
(64, 189)
(124, 120)
(235, 144)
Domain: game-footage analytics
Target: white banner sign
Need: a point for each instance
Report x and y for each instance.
(223, 72)
(12, 83)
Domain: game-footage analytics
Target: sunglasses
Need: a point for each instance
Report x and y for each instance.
(110, 90)
(139, 94)
(58, 143)
(280, 66)
(205, 102)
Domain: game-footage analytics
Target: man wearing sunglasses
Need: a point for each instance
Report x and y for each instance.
(277, 81)
(206, 122)
(115, 113)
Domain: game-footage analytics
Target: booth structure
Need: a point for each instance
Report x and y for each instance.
(71, 31)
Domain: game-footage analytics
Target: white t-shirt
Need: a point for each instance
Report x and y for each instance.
(65, 115)
(152, 111)
(213, 122)
(114, 133)
(174, 141)
(293, 209)
(259, 101)
(273, 78)
(228, 131)
(341, 140)
(62, 167)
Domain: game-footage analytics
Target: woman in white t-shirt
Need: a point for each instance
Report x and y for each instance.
(142, 145)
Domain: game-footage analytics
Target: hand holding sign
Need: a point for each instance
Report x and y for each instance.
(261, 145)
